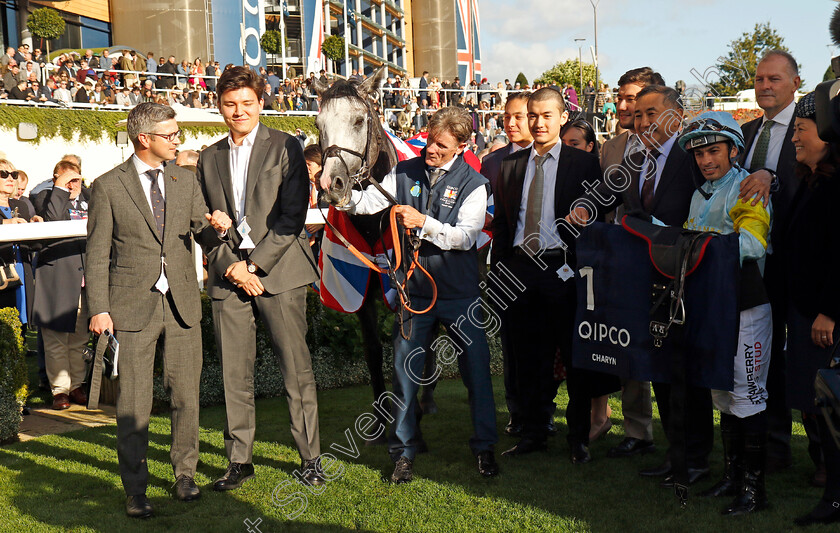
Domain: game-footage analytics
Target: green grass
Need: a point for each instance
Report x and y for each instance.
(70, 482)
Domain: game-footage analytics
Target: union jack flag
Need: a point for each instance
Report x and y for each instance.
(469, 45)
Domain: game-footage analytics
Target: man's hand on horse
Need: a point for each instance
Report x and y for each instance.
(757, 187)
(579, 216)
(220, 221)
(410, 217)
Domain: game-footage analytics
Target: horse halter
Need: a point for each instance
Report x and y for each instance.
(363, 174)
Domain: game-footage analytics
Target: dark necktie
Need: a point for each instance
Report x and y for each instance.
(158, 204)
(649, 184)
(533, 208)
(759, 158)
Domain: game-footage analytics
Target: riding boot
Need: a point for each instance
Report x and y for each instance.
(752, 496)
(733, 449)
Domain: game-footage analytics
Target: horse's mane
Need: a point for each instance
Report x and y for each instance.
(347, 89)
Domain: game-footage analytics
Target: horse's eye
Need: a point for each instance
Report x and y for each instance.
(359, 122)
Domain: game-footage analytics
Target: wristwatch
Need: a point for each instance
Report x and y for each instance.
(251, 266)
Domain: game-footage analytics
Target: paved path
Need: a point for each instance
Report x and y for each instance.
(46, 421)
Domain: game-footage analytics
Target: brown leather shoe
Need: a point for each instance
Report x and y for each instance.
(78, 396)
(61, 402)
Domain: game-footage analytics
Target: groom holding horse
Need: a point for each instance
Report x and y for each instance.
(443, 201)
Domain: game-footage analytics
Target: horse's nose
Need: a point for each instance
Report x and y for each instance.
(338, 183)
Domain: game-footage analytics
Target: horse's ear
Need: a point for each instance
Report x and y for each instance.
(372, 85)
(318, 86)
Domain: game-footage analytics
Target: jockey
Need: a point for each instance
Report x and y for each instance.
(715, 141)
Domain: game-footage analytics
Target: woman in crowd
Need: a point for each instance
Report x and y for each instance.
(17, 276)
(434, 93)
(196, 71)
(578, 133)
(811, 255)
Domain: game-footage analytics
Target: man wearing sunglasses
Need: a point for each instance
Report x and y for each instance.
(141, 285)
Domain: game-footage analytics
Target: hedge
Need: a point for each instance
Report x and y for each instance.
(90, 125)
(13, 374)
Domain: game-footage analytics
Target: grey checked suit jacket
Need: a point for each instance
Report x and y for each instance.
(276, 201)
(124, 250)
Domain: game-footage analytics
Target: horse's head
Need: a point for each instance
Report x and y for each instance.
(351, 134)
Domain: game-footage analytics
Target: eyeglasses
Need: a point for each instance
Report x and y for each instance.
(710, 124)
(6, 174)
(168, 136)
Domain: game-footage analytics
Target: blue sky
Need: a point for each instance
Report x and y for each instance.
(672, 36)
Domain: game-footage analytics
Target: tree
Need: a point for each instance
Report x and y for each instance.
(333, 47)
(270, 42)
(736, 71)
(521, 80)
(568, 72)
(45, 23)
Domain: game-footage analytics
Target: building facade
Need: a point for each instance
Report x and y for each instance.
(404, 36)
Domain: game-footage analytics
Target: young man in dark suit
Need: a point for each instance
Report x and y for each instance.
(516, 128)
(259, 176)
(534, 245)
(141, 286)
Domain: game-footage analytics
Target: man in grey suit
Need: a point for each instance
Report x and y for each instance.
(142, 286)
(259, 176)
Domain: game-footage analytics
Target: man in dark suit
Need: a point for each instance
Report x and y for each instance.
(168, 71)
(141, 285)
(259, 176)
(419, 120)
(665, 193)
(636, 404)
(423, 94)
(60, 307)
(534, 245)
(516, 128)
(769, 146)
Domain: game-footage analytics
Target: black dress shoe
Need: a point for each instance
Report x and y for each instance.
(525, 446)
(694, 475)
(630, 447)
(138, 506)
(579, 453)
(313, 475)
(185, 489)
(550, 429)
(235, 476)
(403, 471)
(487, 465)
(513, 428)
(657, 471)
(824, 513)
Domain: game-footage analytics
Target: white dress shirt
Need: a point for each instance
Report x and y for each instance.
(145, 182)
(778, 130)
(461, 236)
(549, 238)
(664, 150)
(238, 160)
